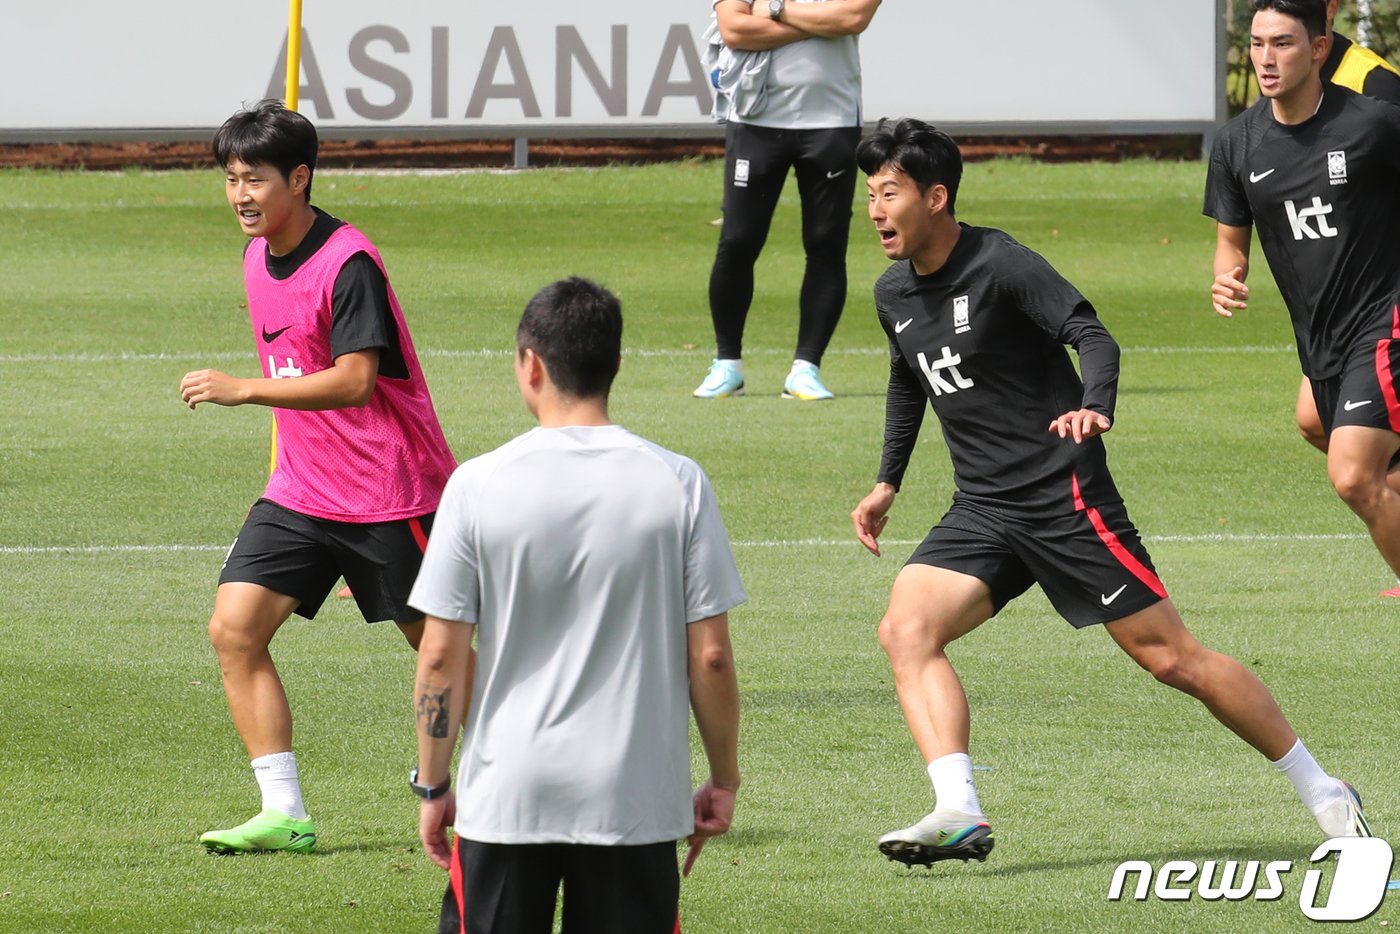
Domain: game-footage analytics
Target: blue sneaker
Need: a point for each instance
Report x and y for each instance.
(804, 383)
(726, 378)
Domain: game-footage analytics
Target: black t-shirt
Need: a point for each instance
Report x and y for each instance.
(983, 340)
(361, 318)
(1325, 197)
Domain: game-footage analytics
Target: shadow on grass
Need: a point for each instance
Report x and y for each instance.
(1261, 854)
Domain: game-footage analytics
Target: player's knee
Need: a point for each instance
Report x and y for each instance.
(231, 637)
(1176, 669)
(901, 635)
(1357, 487)
(739, 246)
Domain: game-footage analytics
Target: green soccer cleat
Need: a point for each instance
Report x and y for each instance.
(943, 834)
(270, 830)
(804, 383)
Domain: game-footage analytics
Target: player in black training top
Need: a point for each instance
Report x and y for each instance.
(1317, 172)
(977, 325)
(1350, 66)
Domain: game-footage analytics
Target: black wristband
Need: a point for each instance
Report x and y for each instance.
(426, 792)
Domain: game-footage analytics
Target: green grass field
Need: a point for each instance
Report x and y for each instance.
(116, 504)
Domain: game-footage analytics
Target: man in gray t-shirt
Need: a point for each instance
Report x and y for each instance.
(595, 572)
(796, 106)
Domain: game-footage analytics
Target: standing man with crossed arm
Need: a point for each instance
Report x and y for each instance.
(804, 113)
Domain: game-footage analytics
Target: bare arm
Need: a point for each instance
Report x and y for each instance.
(1228, 293)
(349, 383)
(440, 690)
(832, 18)
(753, 30)
(714, 696)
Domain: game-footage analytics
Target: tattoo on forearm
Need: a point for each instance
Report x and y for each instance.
(432, 713)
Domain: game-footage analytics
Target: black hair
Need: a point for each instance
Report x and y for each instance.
(576, 327)
(268, 134)
(922, 151)
(1312, 13)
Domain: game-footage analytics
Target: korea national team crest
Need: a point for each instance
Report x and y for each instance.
(960, 325)
(741, 173)
(1337, 167)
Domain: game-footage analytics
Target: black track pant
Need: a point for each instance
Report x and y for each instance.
(756, 164)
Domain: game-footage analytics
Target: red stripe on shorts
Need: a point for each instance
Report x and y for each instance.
(456, 876)
(1115, 547)
(1384, 375)
(416, 527)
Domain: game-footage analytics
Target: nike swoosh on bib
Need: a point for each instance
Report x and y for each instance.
(270, 336)
(1261, 176)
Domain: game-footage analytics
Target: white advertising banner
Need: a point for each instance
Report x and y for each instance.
(538, 67)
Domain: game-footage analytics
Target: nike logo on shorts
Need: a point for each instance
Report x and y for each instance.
(1261, 176)
(899, 328)
(1349, 405)
(1110, 597)
(836, 174)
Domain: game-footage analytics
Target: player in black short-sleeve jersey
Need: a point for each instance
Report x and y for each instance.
(1354, 66)
(977, 325)
(1317, 172)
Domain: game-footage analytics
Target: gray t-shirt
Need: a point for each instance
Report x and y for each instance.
(580, 554)
(813, 84)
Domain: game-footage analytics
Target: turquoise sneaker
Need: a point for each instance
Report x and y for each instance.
(804, 383)
(270, 830)
(726, 378)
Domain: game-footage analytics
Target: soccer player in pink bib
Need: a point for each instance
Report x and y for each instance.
(360, 460)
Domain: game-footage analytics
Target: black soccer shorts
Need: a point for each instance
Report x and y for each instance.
(1364, 392)
(1091, 563)
(506, 888)
(303, 556)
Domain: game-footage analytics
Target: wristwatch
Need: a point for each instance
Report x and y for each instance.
(426, 792)
(775, 9)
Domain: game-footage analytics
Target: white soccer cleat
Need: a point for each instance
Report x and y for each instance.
(941, 834)
(1343, 817)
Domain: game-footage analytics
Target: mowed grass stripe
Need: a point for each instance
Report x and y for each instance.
(1209, 538)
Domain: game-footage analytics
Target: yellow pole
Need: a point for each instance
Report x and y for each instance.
(293, 92)
(293, 53)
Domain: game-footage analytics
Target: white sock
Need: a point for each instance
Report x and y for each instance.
(1317, 789)
(952, 783)
(281, 788)
(799, 364)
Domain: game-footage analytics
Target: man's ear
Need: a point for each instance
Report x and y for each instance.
(300, 178)
(936, 198)
(1321, 46)
(534, 368)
